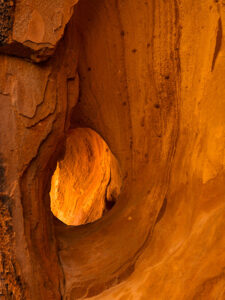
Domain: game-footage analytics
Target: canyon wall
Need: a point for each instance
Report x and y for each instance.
(148, 77)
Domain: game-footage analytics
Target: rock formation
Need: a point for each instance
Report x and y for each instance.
(148, 78)
(86, 179)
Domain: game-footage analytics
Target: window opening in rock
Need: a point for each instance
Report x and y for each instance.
(86, 181)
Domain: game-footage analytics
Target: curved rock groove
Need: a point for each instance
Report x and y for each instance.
(138, 73)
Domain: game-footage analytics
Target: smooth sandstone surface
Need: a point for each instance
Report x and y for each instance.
(148, 77)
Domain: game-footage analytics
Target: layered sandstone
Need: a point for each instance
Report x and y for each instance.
(148, 77)
(86, 179)
(33, 29)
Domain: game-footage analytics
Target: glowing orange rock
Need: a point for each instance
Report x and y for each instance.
(86, 177)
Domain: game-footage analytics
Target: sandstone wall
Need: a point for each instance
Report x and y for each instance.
(148, 76)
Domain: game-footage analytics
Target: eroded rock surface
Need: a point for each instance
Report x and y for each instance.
(32, 29)
(85, 178)
(151, 83)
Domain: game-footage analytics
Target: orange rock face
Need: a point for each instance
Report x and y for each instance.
(85, 179)
(148, 78)
(33, 29)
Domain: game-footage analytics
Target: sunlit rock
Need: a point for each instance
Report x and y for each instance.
(85, 179)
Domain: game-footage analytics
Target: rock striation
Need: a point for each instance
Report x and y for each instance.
(148, 78)
(86, 179)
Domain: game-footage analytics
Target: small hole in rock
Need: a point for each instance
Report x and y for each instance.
(86, 181)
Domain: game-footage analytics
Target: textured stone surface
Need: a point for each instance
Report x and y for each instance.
(32, 29)
(6, 20)
(85, 179)
(151, 83)
(35, 103)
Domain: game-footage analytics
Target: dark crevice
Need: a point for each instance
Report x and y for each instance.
(162, 211)
(109, 203)
(218, 43)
